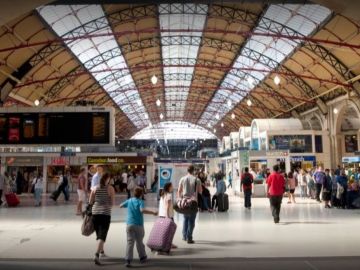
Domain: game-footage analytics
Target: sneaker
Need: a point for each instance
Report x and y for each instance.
(143, 259)
(127, 263)
(190, 241)
(97, 259)
(102, 254)
(276, 220)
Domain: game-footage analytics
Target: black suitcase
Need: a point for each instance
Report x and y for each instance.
(223, 202)
(55, 195)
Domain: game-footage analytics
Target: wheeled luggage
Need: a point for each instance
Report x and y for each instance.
(161, 235)
(223, 202)
(12, 200)
(55, 195)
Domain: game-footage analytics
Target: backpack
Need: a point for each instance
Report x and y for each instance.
(247, 181)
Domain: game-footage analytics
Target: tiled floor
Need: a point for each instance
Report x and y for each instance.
(51, 236)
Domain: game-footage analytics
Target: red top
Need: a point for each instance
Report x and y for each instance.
(246, 187)
(276, 183)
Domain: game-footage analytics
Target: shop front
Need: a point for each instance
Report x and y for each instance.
(23, 170)
(57, 165)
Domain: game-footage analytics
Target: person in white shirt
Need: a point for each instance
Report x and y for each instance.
(38, 188)
(124, 177)
(166, 209)
(302, 180)
(189, 187)
(95, 180)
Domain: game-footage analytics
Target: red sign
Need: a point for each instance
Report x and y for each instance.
(59, 161)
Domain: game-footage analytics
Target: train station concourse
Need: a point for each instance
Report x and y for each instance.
(180, 134)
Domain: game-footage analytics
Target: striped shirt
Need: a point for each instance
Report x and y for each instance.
(103, 202)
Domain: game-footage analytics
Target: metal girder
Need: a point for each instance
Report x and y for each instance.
(276, 27)
(183, 8)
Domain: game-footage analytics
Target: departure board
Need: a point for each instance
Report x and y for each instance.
(59, 128)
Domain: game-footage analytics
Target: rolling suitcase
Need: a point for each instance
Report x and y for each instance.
(223, 202)
(55, 195)
(161, 235)
(12, 200)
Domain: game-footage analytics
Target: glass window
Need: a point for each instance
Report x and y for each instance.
(351, 144)
(318, 144)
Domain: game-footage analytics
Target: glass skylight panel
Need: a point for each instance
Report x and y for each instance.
(174, 130)
(176, 17)
(69, 21)
(303, 19)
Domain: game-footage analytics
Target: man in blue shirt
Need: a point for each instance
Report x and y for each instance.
(342, 180)
(135, 226)
(319, 178)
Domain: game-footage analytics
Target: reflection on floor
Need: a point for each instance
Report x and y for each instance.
(307, 230)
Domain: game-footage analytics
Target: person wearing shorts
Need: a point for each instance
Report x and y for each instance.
(81, 190)
(102, 199)
(292, 187)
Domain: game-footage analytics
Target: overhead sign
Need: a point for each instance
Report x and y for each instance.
(116, 160)
(30, 127)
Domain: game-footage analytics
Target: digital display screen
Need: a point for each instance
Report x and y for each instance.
(55, 128)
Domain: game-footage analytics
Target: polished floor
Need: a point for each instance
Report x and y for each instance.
(308, 237)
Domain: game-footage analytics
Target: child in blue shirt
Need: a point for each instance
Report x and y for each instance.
(135, 226)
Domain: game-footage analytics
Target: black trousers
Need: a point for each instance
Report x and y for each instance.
(247, 198)
(318, 191)
(214, 202)
(275, 205)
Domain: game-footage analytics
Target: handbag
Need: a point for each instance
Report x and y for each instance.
(187, 205)
(87, 227)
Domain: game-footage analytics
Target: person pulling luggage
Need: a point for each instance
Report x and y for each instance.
(220, 192)
(246, 185)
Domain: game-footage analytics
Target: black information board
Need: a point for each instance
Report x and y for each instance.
(60, 128)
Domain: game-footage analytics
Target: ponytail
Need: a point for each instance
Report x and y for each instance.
(166, 189)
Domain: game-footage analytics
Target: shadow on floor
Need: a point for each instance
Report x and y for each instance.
(225, 243)
(307, 222)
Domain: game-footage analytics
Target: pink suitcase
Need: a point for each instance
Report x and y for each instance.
(161, 235)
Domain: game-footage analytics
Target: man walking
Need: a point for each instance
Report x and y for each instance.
(189, 186)
(95, 180)
(319, 178)
(246, 183)
(275, 191)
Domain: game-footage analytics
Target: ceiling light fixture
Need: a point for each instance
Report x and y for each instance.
(222, 124)
(277, 80)
(209, 125)
(37, 102)
(229, 103)
(335, 110)
(214, 130)
(158, 102)
(248, 102)
(161, 116)
(233, 116)
(154, 79)
(217, 116)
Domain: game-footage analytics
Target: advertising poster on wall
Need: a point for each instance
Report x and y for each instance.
(165, 174)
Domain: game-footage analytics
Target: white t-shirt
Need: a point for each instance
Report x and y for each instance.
(95, 181)
(301, 179)
(124, 178)
(38, 182)
(164, 202)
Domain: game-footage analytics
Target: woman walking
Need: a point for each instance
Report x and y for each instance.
(292, 186)
(102, 198)
(38, 188)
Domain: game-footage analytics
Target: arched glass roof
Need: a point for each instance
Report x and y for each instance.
(174, 130)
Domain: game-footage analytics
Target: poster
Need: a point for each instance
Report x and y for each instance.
(165, 174)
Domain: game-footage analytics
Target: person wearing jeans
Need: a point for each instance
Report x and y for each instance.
(189, 187)
(246, 185)
(135, 226)
(38, 189)
(275, 191)
(319, 177)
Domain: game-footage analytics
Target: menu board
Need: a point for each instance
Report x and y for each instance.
(59, 128)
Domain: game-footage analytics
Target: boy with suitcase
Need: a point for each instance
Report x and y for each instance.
(135, 226)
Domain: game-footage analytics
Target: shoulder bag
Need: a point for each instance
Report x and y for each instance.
(187, 205)
(87, 227)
